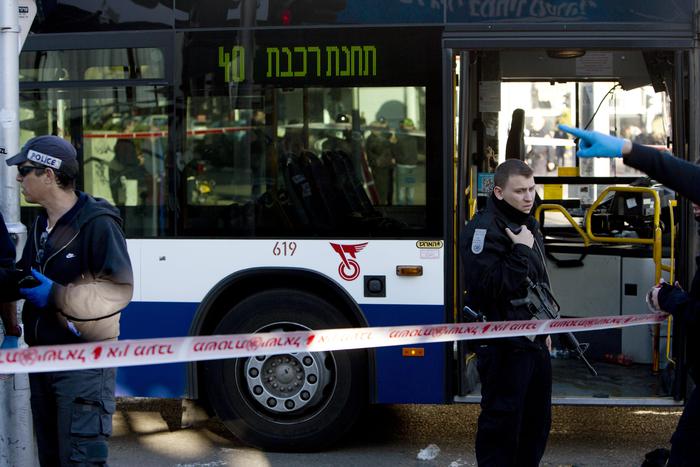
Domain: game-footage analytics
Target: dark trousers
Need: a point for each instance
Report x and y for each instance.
(685, 449)
(72, 413)
(382, 182)
(516, 406)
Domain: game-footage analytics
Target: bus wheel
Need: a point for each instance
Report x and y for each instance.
(301, 401)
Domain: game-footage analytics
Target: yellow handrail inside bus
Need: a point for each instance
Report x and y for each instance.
(630, 189)
(656, 249)
(472, 194)
(655, 241)
(561, 209)
(670, 268)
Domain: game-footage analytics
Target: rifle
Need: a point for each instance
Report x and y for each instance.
(473, 316)
(543, 305)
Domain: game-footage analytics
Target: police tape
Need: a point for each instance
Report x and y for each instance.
(108, 354)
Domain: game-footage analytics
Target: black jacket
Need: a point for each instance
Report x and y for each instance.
(86, 256)
(685, 308)
(496, 268)
(8, 280)
(682, 177)
(677, 174)
(7, 247)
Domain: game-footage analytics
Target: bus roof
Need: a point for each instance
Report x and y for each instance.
(133, 15)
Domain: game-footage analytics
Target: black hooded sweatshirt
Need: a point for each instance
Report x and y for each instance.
(684, 178)
(86, 256)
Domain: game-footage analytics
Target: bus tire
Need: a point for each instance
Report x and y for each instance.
(306, 401)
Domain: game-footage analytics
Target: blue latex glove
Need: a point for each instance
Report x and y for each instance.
(10, 342)
(594, 144)
(39, 295)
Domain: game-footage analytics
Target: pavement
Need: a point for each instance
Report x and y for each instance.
(147, 433)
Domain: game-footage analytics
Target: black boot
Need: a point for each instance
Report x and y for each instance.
(656, 458)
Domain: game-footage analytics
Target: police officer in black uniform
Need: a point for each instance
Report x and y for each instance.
(502, 248)
(681, 176)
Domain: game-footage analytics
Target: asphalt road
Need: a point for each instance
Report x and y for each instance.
(146, 434)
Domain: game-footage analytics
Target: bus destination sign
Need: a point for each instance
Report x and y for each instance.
(308, 62)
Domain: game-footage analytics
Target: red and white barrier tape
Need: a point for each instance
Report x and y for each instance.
(186, 349)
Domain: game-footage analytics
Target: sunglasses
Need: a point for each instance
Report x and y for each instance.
(25, 169)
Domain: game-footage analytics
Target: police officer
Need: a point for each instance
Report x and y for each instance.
(682, 177)
(380, 147)
(502, 248)
(77, 253)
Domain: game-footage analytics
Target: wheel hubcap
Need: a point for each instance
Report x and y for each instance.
(287, 383)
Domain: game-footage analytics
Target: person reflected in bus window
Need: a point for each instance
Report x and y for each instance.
(77, 253)
(406, 163)
(339, 137)
(380, 149)
(502, 248)
(630, 132)
(560, 134)
(540, 156)
(126, 170)
(258, 152)
(680, 176)
(293, 140)
(657, 135)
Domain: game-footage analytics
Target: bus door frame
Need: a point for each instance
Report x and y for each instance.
(461, 196)
(462, 39)
(686, 92)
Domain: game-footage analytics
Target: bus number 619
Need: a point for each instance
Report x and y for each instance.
(284, 248)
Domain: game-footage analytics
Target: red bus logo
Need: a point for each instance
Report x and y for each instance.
(348, 268)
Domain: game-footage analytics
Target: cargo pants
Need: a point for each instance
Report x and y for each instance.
(684, 442)
(72, 413)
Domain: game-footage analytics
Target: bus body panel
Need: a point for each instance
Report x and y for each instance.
(159, 266)
(167, 319)
(408, 380)
(165, 265)
(399, 379)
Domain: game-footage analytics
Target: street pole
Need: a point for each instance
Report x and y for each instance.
(9, 118)
(17, 441)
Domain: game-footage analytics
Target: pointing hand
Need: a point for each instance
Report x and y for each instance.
(595, 144)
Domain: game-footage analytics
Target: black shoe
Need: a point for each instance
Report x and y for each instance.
(656, 458)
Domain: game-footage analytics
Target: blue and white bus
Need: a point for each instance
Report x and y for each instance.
(276, 162)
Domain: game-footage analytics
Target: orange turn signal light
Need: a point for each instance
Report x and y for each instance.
(413, 352)
(409, 270)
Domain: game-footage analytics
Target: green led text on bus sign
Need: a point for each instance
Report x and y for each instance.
(286, 62)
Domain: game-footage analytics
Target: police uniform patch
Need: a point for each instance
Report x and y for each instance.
(478, 241)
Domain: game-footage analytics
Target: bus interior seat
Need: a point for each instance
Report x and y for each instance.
(340, 179)
(273, 213)
(353, 184)
(317, 172)
(306, 189)
(295, 195)
(369, 218)
(319, 195)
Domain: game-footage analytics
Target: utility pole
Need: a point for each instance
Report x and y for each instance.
(15, 19)
(17, 442)
(9, 117)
